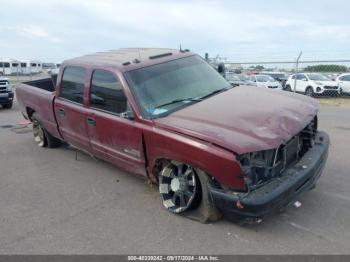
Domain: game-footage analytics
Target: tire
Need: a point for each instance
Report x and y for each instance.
(41, 136)
(184, 190)
(288, 88)
(309, 91)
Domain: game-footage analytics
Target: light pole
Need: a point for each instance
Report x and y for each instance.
(296, 71)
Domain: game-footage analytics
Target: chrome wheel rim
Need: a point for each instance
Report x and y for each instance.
(38, 134)
(177, 186)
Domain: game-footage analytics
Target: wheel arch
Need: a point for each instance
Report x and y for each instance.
(30, 111)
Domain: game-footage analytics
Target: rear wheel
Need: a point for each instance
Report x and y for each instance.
(309, 91)
(288, 88)
(41, 136)
(38, 132)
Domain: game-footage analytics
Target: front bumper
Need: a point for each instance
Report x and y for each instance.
(328, 92)
(279, 192)
(6, 99)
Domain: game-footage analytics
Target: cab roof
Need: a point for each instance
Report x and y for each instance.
(129, 58)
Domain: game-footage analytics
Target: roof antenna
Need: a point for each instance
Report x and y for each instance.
(138, 49)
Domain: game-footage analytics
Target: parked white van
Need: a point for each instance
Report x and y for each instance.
(5, 67)
(15, 67)
(25, 67)
(36, 66)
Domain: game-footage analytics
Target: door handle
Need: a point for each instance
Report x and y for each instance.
(61, 111)
(90, 121)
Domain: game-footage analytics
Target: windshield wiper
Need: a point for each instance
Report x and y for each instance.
(191, 99)
(216, 92)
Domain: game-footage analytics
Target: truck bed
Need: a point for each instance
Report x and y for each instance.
(38, 96)
(47, 84)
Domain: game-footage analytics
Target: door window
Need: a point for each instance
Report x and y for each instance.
(72, 85)
(301, 77)
(107, 92)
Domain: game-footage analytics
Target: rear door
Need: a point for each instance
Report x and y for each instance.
(113, 136)
(69, 109)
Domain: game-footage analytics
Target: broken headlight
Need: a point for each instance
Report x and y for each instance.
(258, 167)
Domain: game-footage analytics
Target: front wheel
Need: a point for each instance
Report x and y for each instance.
(309, 92)
(185, 190)
(179, 187)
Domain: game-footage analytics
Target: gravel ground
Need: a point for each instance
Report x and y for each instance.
(51, 203)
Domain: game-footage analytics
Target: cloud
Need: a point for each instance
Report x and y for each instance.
(55, 29)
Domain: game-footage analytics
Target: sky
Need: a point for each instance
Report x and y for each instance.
(250, 30)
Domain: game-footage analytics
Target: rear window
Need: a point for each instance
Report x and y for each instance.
(72, 85)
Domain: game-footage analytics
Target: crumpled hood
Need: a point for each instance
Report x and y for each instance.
(244, 119)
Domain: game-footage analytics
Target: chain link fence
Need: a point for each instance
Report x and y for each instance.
(318, 74)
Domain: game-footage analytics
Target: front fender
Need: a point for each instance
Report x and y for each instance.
(217, 162)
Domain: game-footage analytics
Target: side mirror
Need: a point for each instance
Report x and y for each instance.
(127, 115)
(305, 79)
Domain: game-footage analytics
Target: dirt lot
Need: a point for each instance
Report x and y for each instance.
(51, 203)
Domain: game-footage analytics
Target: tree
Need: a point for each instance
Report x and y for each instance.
(326, 68)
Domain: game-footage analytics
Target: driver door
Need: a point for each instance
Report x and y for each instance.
(114, 135)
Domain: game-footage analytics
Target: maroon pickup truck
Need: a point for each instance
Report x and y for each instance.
(168, 116)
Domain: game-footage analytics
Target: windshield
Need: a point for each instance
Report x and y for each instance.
(163, 88)
(318, 77)
(263, 78)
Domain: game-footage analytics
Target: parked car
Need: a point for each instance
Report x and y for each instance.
(332, 77)
(312, 84)
(169, 117)
(6, 94)
(278, 76)
(344, 83)
(236, 79)
(264, 81)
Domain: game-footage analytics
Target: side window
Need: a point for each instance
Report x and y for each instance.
(72, 85)
(301, 77)
(107, 92)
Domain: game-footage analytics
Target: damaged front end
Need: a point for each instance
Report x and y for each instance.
(275, 178)
(260, 167)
